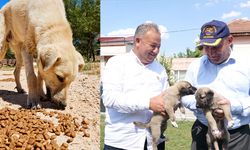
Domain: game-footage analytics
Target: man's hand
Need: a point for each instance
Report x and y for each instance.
(157, 104)
(219, 113)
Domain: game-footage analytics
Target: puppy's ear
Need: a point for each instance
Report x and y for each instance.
(80, 61)
(48, 58)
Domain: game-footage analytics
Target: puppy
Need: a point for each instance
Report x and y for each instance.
(172, 97)
(207, 99)
(40, 29)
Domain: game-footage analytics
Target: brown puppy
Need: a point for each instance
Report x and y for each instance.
(207, 99)
(40, 28)
(172, 97)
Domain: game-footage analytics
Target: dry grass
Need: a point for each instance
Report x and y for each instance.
(92, 68)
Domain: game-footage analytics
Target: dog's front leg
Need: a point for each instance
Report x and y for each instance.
(228, 116)
(16, 47)
(33, 96)
(212, 123)
(209, 140)
(216, 145)
(170, 111)
(182, 110)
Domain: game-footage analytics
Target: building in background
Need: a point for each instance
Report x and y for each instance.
(179, 67)
(111, 46)
(240, 29)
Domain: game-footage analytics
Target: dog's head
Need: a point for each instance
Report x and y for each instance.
(58, 68)
(185, 88)
(204, 97)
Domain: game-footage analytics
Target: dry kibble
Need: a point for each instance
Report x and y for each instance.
(65, 145)
(48, 147)
(22, 128)
(85, 121)
(70, 140)
(86, 134)
(19, 144)
(53, 137)
(57, 133)
(85, 126)
(31, 141)
(73, 134)
(29, 147)
(46, 136)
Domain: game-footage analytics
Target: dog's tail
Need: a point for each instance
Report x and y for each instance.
(141, 125)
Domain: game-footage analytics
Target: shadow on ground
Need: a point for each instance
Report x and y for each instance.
(21, 99)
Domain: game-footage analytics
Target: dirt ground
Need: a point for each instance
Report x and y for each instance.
(83, 104)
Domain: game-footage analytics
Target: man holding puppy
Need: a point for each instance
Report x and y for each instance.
(221, 70)
(132, 86)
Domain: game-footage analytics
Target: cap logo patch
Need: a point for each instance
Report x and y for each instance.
(209, 31)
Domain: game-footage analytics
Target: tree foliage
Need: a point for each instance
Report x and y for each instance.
(84, 18)
(167, 64)
(189, 54)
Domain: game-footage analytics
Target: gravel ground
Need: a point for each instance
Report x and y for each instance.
(81, 114)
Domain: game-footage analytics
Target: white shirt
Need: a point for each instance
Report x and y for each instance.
(128, 86)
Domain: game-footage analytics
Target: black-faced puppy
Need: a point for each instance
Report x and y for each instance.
(207, 99)
(172, 97)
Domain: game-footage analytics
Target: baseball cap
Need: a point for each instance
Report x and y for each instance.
(213, 32)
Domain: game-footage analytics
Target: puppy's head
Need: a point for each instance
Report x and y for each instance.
(185, 88)
(58, 68)
(204, 97)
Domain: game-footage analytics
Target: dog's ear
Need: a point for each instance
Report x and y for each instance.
(48, 58)
(80, 61)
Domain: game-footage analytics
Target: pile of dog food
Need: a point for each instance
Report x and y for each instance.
(38, 129)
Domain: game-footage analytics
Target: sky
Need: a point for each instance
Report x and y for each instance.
(2, 2)
(179, 20)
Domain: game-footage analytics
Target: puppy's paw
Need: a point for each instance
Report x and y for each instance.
(174, 124)
(230, 124)
(216, 133)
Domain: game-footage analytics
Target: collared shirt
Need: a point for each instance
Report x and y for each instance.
(230, 79)
(128, 86)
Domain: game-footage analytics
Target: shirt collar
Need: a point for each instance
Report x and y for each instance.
(138, 60)
(230, 59)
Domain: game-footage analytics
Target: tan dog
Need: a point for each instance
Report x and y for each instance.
(207, 99)
(172, 97)
(40, 28)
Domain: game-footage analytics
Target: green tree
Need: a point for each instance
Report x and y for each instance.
(84, 18)
(10, 54)
(189, 54)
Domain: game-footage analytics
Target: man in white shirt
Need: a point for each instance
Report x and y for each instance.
(132, 86)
